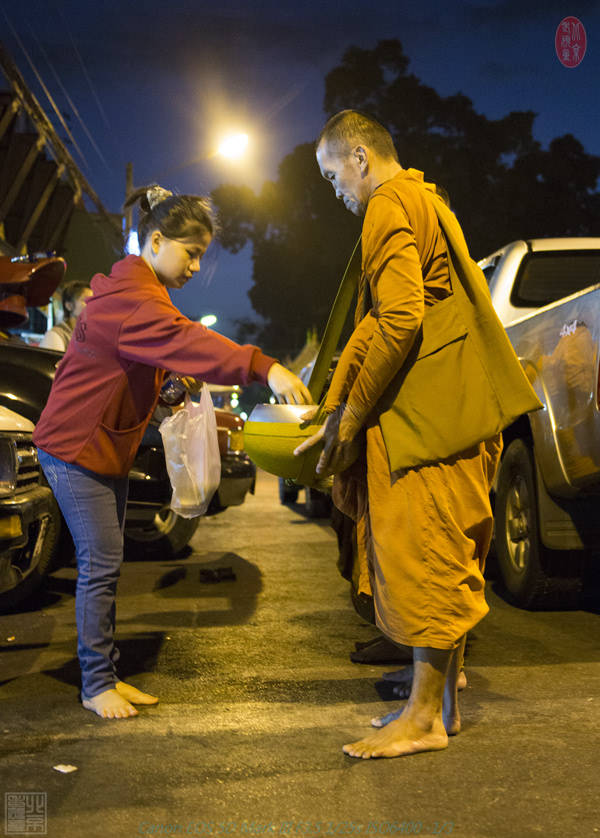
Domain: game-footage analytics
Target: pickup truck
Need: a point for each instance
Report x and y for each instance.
(547, 494)
(29, 517)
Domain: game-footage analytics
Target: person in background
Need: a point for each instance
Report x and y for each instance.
(74, 297)
(104, 393)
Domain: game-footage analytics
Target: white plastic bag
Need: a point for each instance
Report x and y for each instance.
(192, 455)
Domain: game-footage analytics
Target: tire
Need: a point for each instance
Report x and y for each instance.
(164, 537)
(287, 493)
(318, 504)
(36, 572)
(534, 576)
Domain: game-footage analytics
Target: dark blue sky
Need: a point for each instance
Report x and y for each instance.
(161, 80)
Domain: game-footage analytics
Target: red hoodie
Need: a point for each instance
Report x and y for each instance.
(107, 385)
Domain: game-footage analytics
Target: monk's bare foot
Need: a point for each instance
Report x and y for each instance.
(450, 711)
(400, 737)
(451, 721)
(109, 705)
(134, 695)
(402, 680)
(382, 721)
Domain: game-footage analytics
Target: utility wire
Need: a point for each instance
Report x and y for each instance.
(46, 91)
(84, 69)
(70, 101)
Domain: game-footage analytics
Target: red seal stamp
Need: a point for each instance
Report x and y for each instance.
(570, 42)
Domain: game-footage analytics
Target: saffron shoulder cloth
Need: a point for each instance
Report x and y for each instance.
(462, 382)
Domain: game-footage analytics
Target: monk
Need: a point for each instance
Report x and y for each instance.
(426, 529)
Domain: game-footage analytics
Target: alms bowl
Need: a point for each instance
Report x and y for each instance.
(273, 431)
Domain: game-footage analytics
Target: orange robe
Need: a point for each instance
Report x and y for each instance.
(426, 530)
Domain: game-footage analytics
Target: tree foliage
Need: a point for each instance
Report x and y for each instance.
(301, 239)
(502, 184)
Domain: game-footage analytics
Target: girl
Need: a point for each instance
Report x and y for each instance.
(105, 391)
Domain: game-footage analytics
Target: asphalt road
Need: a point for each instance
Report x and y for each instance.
(258, 695)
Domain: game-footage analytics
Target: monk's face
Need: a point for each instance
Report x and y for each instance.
(346, 172)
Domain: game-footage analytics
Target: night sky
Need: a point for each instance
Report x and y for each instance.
(159, 82)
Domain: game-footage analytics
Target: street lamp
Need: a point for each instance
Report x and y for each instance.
(208, 320)
(233, 146)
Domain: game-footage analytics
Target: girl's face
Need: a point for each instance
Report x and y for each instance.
(177, 260)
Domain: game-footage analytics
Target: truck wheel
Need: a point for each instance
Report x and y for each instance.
(165, 536)
(33, 563)
(318, 504)
(287, 493)
(523, 561)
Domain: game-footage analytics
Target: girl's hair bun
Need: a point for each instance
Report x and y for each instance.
(155, 194)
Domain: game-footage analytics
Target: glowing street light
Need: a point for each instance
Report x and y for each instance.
(233, 146)
(208, 320)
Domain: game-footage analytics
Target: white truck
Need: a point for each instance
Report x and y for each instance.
(547, 499)
(29, 517)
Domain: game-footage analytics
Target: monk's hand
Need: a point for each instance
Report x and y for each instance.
(310, 413)
(287, 387)
(339, 450)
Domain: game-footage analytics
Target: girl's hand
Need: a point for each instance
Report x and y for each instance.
(287, 387)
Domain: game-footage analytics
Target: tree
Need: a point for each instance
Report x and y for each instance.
(503, 186)
(301, 239)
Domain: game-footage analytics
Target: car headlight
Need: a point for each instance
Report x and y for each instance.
(8, 467)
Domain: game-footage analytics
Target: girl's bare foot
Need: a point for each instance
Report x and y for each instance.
(134, 695)
(109, 705)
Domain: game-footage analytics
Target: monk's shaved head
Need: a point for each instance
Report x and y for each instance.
(348, 129)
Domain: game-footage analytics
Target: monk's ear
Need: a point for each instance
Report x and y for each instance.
(361, 156)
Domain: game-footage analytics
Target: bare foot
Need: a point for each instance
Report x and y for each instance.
(450, 711)
(402, 679)
(109, 705)
(451, 720)
(134, 695)
(399, 738)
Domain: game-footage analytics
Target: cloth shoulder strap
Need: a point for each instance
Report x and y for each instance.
(335, 323)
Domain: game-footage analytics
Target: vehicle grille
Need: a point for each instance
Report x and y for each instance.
(28, 467)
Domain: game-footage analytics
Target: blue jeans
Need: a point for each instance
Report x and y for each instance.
(94, 508)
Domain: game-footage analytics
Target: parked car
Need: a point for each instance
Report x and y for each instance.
(26, 375)
(30, 521)
(547, 295)
(316, 504)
